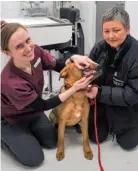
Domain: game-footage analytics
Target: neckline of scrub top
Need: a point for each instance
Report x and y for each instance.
(26, 76)
(19, 71)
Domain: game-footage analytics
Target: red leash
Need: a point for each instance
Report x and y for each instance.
(93, 102)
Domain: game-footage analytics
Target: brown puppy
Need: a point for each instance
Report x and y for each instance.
(75, 109)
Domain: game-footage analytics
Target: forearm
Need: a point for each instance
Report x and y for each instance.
(42, 105)
(108, 97)
(65, 95)
(118, 96)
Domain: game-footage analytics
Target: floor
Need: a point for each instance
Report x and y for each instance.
(113, 157)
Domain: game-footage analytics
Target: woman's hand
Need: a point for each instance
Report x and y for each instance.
(82, 83)
(92, 92)
(81, 62)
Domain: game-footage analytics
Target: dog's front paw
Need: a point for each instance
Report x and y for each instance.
(88, 154)
(60, 155)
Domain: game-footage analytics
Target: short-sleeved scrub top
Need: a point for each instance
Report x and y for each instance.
(19, 89)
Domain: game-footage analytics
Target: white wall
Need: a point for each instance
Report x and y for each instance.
(132, 8)
(10, 9)
(4, 60)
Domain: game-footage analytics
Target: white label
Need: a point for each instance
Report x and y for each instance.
(115, 74)
(37, 62)
(118, 82)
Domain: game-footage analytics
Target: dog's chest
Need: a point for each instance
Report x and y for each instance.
(78, 100)
(75, 115)
(72, 110)
(77, 111)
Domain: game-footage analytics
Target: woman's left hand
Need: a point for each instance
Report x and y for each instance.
(81, 61)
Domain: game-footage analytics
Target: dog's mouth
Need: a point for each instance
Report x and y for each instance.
(88, 71)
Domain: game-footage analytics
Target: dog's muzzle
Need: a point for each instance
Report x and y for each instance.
(88, 71)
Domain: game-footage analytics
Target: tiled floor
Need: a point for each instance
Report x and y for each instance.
(113, 157)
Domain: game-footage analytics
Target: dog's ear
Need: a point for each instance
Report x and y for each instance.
(64, 71)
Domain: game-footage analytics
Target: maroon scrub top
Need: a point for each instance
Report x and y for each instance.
(18, 88)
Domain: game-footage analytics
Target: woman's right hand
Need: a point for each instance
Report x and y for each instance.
(78, 85)
(82, 83)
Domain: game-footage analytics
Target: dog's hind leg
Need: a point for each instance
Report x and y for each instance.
(53, 117)
(60, 150)
(84, 126)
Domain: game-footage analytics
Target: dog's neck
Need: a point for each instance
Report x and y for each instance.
(69, 86)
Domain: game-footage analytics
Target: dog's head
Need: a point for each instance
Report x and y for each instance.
(71, 73)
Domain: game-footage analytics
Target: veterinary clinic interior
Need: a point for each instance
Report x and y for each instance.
(69, 85)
